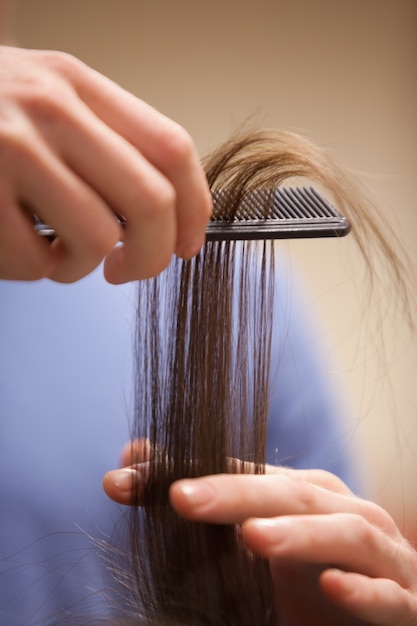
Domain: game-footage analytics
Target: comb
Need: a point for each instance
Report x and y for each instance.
(281, 213)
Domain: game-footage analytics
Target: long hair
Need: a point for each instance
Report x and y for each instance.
(203, 350)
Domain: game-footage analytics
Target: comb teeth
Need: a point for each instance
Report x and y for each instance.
(282, 213)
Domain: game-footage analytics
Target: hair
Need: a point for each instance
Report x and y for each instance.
(203, 349)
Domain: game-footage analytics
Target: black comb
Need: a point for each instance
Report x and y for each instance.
(281, 213)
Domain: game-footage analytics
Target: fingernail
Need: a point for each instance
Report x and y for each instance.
(196, 493)
(114, 270)
(272, 529)
(123, 479)
(266, 522)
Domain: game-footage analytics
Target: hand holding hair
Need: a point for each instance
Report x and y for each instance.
(78, 151)
(334, 558)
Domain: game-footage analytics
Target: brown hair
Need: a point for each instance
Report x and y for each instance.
(203, 348)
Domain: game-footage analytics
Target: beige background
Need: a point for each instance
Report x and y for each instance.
(343, 72)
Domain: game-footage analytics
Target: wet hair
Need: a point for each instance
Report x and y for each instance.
(203, 350)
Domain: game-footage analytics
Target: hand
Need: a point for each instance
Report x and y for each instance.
(335, 559)
(78, 151)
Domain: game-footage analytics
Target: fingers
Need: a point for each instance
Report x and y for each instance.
(134, 189)
(87, 229)
(79, 152)
(289, 517)
(125, 485)
(378, 601)
(182, 494)
(161, 141)
(231, 499)
(34, 178)
(301, 525)
(119, 484)
(320, 478)
(348, 541)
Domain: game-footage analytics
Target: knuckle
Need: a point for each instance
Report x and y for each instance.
(178, 146)
(17, 152)
(166, 197)
(378, 516)
(63, 63)
(45, 94)
(160, 200)
(364, 531)
(330, 481)
(16, 135)
(303, 493)
(40, 88)
(46, 103)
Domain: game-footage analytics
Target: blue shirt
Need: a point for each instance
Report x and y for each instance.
(65, 401)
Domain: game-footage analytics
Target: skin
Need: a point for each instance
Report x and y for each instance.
(335, 558)
(78, 151)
